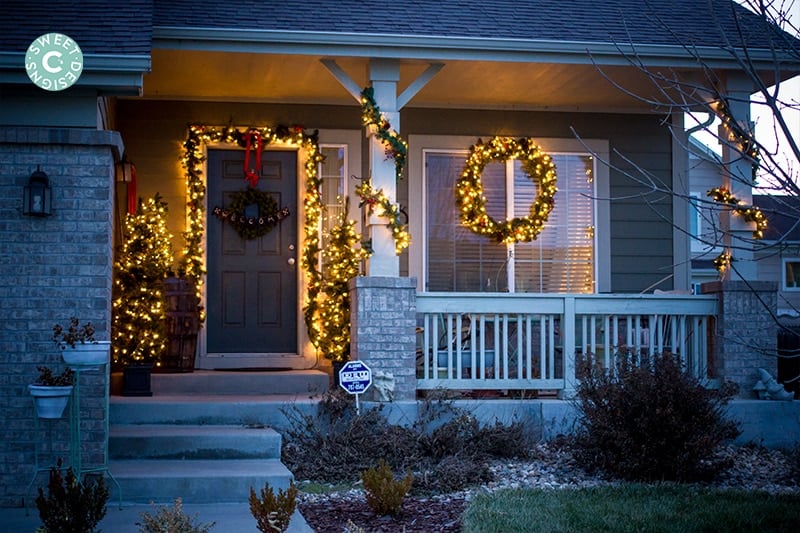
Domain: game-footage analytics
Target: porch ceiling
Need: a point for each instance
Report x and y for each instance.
(298, 79)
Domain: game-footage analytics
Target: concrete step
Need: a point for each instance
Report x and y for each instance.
(150, 441)
(196, 409)
(241, 382)
(195, 481)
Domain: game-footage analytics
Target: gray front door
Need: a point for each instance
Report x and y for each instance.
(251, 293)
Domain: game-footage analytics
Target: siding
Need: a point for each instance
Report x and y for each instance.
(641, 236)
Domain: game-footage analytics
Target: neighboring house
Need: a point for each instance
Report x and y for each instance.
(445, 74)
(776, 256)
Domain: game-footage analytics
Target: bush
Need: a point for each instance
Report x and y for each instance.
(384, 493)
(338, 444)
(650, 422)
(71, 505)
(171, 520)
(273, 513)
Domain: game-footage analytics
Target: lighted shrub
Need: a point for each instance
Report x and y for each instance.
(650, 422)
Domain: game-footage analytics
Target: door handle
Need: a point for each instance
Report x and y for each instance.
(290, 261)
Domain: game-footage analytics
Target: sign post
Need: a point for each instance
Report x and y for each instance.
(355, 377)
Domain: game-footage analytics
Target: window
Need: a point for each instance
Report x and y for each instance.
(702, 228)
(791, 274)
(332, 174)
(561, 259)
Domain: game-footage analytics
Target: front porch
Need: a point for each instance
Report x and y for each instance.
(531, 343)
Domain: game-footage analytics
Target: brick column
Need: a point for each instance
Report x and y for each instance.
(383, 314)
(746, 333)
(50, 269)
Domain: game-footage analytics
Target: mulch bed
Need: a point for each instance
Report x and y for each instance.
(418, 516)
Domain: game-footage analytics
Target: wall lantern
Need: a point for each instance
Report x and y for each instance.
(125, 170)
(37, 198)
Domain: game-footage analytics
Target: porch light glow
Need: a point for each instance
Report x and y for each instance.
(193, 159)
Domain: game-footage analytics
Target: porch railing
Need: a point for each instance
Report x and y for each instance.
(530, 342)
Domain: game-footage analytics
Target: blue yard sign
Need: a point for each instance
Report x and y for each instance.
(355, 377)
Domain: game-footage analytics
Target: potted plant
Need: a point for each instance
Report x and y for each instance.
(78, 345)
(51, 392)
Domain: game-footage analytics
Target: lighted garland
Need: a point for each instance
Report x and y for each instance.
(192, 262)
(396, 147)
(377, 203)
(250, 228)
(469, 190)
(749, 213)
(743, 137)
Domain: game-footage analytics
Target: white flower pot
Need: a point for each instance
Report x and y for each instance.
(91, 354)
(50, 401)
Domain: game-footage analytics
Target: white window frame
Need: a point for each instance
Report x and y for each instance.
(419, 145)
(784, 283)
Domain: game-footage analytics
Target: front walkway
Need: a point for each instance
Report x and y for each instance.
(228, 517)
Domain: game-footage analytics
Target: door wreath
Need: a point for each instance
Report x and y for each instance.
(250, 228)
(471, 203)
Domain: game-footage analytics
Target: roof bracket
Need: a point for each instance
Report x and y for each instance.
(355, 91)
(417, 85)
(343, 78)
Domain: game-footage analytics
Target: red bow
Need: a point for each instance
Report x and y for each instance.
(252, 174)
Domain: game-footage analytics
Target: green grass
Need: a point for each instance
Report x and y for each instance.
(640, 508)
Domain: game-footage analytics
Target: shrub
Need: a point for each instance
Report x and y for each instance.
(71, 505)
(338, 444)
(384, 493)
(650, 422)
(273, 513)
(171, 520)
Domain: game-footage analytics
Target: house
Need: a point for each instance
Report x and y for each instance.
(198, 95)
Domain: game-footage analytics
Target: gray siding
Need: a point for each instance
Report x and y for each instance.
(641, 233)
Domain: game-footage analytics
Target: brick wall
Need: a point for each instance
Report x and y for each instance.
(50, 269)
(746, 332)
(384, 310)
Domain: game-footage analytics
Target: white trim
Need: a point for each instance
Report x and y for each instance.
(442, 48)
(784, 286)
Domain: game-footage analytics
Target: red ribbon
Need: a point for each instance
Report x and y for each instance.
(251, 174)
(132, 191)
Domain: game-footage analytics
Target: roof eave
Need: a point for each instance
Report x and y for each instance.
(110, 74)
(440, 48)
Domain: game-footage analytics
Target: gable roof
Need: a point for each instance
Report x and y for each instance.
(451, 29)
(98, 26)
(606, 21)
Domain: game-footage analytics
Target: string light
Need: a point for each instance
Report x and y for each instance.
(137, 330)
(742, 136)
(296, 137)
(377, 124)
(749, 213)
(376, 202)
(469, 190)
(341, 259)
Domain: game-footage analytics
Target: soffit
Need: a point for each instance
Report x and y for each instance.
(297, 79)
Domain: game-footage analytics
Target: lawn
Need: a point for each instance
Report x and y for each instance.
(640, 508)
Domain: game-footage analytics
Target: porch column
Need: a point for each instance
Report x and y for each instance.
(737, 173)
(384, 75)
(383, 312)
(746, 333)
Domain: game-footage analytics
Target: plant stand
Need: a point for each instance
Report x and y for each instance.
(75, 455)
